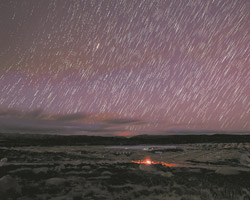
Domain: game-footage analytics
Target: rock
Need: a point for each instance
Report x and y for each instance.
(227, 171)
(87, 168)
(245, 160)
(76, 162)
(3, 161)
(9, 187)
(55, 181)
(169, 174)
(41, 170)
(25, 170)
(60, 168)
(76, 193)
(106, 173)
(206, 195)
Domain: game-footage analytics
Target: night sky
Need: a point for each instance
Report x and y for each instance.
(124, 67)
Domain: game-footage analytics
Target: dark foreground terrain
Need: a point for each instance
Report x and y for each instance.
(206, 171)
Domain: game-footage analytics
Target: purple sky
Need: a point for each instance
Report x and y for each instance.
(149, 66)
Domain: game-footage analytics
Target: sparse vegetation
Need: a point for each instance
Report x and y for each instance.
(207, 172)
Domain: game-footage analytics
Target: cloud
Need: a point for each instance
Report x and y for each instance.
(36, 114)
(18, 125)
(70, 117)
(204, 131)
(119, 121)
(39, 114)
(40, 122)
(10, 113)
(37, 121)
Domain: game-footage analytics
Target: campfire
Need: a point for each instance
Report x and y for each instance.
(148, 162)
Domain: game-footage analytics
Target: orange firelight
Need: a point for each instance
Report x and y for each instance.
(148, 162)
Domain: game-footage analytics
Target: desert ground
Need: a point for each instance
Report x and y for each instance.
(207, 171)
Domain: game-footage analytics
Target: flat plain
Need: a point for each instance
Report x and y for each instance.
(206, 171)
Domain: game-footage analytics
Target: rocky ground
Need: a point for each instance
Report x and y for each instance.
(205, 171)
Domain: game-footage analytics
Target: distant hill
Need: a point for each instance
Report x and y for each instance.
(16, 139)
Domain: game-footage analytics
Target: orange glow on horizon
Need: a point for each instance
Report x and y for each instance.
(124, 134)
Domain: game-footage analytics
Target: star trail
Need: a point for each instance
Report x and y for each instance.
(172, 64)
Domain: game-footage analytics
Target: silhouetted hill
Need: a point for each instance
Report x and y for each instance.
(15, 139)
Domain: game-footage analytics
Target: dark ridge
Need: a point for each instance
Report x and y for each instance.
(16, 139)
